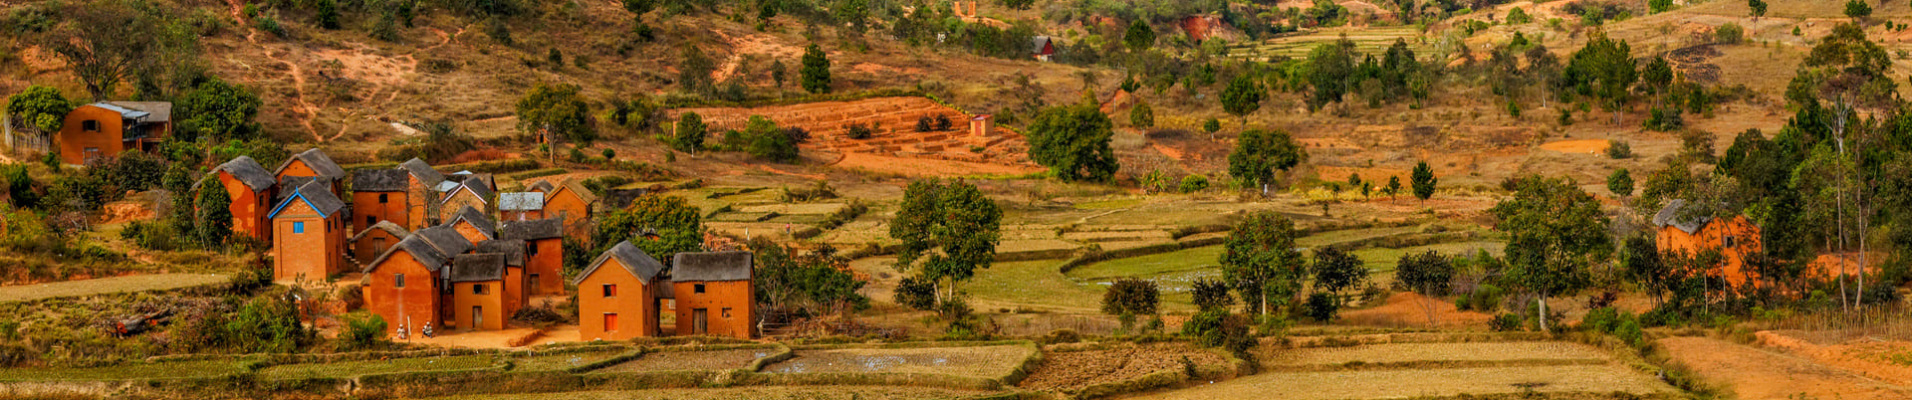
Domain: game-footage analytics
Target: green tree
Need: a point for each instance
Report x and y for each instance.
(1129, 297)
(556, 112)
(1258, 154)
(1758, 9)
(328, 14)
(1603, 69)
(816, 70)
(1139, 36)
(1260, 261)
(805, 285)
(768, 142)
(1209, 294)
(1141, 116)
(1211, 126)
(1645, 265)
(1073, 141)
(1335, 271)
(217, 111)
(108, 41)
(1423, 181)
(1620, 183)
(694, 71)
(215, 216)
(41, 108)
(1858, 10)
(363, 330)
(948, 231)
(1555, 232)
(1429, 274)
(1394, 186)
(690, 133)
(1242, 97)
(1329, 67)
(679, 226)
(779, 73)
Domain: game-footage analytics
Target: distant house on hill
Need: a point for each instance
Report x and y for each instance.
(105, 129)
(1043, 48)
(1735, 238)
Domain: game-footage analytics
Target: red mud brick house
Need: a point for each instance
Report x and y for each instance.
(308, 234)
(520, 206)
(1734, 238)
(471, 192)
(544, 252)
(572, 202)
(540, 187)
(478, 298)
(618, 295)
(473, 224)
(404, 285)
(373, 241)
(105, 129)
(313, 163)
(379, 195)
(516, 290)
(713, 294)
(423, 189)
(252, 190)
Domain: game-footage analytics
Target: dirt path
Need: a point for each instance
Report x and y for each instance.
(117, 284)
(1758, 374)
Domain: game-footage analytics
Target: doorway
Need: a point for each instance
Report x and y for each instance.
(477, 317)
(699, 318)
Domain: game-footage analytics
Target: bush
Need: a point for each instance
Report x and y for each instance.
(925, 124)
(916, 293)
(1322, 306)
(1130, 296)
(1730, 33)
(609, 154)
(1603, 320)
(1505, 322)
(1194, 183)
(363, 330)
(859, 131)
(942, 122)
(1617, 149)
(1629, 331)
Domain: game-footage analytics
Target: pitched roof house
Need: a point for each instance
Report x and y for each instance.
(520, 206)
(471, 192)
(1043, 48)
(311, 162)
(372, 241)
(105, 129)
(252, 191)
(479, 299)
(571, 202)
(473, 224)
(308, 239)
(1681, 230)
(403, 285)
(379, 195)
(618, 294)
(544, 252)
(713, 294)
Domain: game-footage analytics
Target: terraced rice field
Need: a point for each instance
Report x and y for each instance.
(1067, 370)
(753, 393)
(133, 371)
(691, 360)
(1372, 40)
(348, 369)
(561, 361)
(1395, 384)
(1423, 352)
(117, 284)
(975, 362)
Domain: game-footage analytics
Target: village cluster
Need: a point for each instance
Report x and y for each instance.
(440, 252)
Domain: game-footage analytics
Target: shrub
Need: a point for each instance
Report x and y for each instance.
(1194, 183)
(1211, 294)
(942, 122)
(609, 154)
(916, 293)
(1629, 331)
(1131, 296)
(859, 131)
(1617, 149)
(1602, 320)
(1322, 306)
(925, 124)
(363, 330)
(1505, 322)
(1730, 33)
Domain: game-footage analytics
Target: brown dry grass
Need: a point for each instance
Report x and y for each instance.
(1419, 352)
(1755, 374)
(117, 284)
(1063, 370)
(753, 393)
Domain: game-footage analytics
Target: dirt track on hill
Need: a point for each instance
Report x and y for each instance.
(1759, 374)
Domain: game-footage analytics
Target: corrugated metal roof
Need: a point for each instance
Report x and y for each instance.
(520, 201)
(156, 111)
